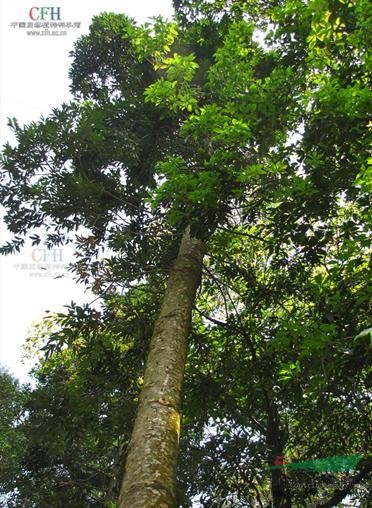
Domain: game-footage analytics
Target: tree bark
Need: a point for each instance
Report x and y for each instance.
(150, 474)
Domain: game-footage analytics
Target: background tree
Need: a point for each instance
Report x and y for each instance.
(266, 346)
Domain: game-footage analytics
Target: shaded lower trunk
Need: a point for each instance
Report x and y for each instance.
(114, 483)
(276, 441)
(279, 489)
(150, 474)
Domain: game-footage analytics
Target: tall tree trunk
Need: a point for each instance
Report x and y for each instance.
(150, 474)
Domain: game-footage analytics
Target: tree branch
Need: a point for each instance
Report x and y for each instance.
(212, 320)
(339, 495)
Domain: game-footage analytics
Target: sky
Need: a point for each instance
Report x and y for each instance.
(33, 80)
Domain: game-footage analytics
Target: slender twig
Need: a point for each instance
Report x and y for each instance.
(215, 279)
(241, 233)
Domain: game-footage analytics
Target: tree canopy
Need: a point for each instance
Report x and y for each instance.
(242, 127)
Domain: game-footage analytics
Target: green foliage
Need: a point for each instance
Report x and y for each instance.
(154, 40)
(275, 335)
(12, 443)
(76, 420)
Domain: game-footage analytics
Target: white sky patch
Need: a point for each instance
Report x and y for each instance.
(33, 80)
